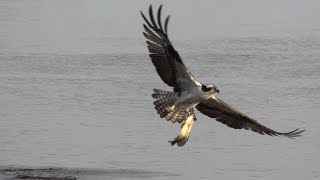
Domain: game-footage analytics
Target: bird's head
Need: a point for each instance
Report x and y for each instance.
(206, 88)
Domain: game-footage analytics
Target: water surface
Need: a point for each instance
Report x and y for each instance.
(75, 85)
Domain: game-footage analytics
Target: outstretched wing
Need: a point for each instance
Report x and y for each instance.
(216, 108)
(164, 57)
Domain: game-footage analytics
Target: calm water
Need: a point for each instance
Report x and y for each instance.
(75, 85)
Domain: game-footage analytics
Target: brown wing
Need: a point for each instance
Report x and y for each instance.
(216, 108)
(164, 57)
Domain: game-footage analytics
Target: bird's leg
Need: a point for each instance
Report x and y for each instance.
(189, 112)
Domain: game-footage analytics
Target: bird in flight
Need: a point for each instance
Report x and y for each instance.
(188, 93)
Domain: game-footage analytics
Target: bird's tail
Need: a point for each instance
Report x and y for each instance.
(164, 103)
(160, 94)
(178, 114)
(165, 106)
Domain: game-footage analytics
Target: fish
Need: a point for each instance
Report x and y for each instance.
(184, 134)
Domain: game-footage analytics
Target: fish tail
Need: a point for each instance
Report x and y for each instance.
(172, 142)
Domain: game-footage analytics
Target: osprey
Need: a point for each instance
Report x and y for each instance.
(188, 93)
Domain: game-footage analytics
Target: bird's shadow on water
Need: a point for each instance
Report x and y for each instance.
(60, 173)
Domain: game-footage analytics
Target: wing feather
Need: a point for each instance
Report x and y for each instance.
(164, 57)
(224, 113)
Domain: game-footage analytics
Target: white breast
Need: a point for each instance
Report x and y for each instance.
(190, 97)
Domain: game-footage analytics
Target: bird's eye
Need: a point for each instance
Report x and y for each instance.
(205, 88)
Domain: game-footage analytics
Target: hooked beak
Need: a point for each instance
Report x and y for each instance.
(217, 90)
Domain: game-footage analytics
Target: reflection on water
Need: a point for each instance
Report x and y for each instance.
(77, 174)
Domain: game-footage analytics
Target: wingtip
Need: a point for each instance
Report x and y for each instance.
(160, 8)
(166, 24)
(141, 13)
(293, 134)
(150, 9)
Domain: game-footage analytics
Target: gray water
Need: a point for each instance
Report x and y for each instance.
(75, 85)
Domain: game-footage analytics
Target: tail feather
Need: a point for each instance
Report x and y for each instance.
(165, 106)
(160, 94)
(164, 103)
(163, 112)
(177, 115)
